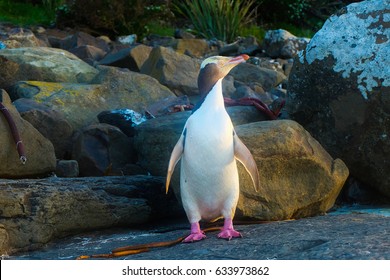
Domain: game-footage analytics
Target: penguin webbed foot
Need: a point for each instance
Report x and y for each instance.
(193, 237)
(229, 234)
(196, 234)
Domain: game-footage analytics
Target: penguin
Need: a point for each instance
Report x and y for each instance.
(208, 149)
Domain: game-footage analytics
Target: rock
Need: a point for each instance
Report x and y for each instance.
(4, 239)
(169, 105)
(360, 236)
(298, 177)
(177, 71)
(81, 103)
(282, 44)
(339, 90)
(40, 154)
(102, 148)
(228, 87)
(88, 54)
(131, 58)
(78, 103)
(67, 168)
(141, 90)
(42, 64)
(129, 39)
(247, 45)
(154, 40)
(56, 36)
(50, 123)
(124, 119)
(249, 73)
(229, 49)
(20, 38)
(80, 39)
(354, 192)
(35, 212)
(192, 47)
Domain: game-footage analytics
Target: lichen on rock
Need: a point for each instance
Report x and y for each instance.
(346, 37)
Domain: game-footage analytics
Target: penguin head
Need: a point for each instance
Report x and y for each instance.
(215, 68)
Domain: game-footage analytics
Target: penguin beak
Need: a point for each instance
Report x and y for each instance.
(238, 59)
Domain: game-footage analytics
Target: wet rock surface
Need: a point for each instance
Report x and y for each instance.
(348, 234)
(34, 212)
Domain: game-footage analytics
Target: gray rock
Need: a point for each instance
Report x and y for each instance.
(336, 236)
(42, 64)
(88, 54)
(80, 39)
(249, 73)
(339, 90)
(40, 154)
(177, 71)
(282, 44)
(67, 168)
(102, 149)
(34, 212)
(124, 119)
(131, 58)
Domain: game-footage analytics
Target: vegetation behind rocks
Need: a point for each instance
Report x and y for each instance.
(123, 17)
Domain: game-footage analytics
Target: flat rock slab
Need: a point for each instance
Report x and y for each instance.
(337, 236)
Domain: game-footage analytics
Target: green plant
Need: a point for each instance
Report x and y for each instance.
(112, 17)
(25, 13)
(220, 19)
(253, 30)
(52, 5)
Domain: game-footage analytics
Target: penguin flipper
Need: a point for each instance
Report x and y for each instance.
(242, 153)
(175, 157)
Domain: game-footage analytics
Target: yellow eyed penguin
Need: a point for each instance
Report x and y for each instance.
(208, 148)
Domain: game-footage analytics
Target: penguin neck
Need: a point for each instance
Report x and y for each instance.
(214, 99)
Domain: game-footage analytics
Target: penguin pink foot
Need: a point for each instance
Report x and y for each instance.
(196, 234)
(228, 231)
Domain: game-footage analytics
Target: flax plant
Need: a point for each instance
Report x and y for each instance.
(220, 19)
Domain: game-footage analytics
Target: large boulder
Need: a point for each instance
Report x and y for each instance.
(298, 177)
(42, 64)
(34, 212)
(339, 90)
(178, 72)
(81, 103)
(40, 154)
